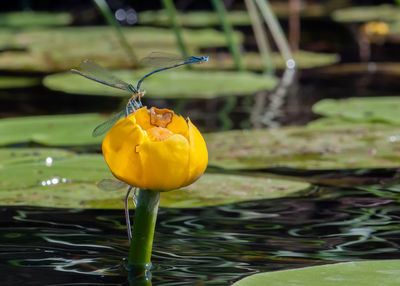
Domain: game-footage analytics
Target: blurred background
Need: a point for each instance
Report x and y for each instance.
(341, 48)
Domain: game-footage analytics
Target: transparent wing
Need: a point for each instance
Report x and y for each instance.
(97, 73)
(159, 59)
(111, 185)
(106, 125)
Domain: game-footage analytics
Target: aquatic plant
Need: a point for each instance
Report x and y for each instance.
(154, 150)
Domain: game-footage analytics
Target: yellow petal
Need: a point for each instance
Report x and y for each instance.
(198, 158)
(143, 118)
(119, 150)
(178, 125)
(165, 163)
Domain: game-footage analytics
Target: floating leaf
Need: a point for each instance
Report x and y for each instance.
(17, 82)
(61, 49)
(303, 148)
(235, 17)
(53, 130)
(217, 189)
(365, 109)
(69, 180)
(193, 19)
(383, 12)
(254, 61)
(360, 273)
(170, 84)
(29, 19)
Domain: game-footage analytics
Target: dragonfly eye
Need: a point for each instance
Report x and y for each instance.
(205, 59)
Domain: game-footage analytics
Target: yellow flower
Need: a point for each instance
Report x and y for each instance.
(155, 149)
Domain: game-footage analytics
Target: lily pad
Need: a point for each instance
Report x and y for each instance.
(29, 177)
(366, 109)
(49, 50)
(170, 84)
(304, 148)
(218, 189)
(17, 82)
(332, 123)
(254, 61)
(193, 19)
(385, 12)
(53, 130)
(360, 273)
(235, 17)
(29, 19)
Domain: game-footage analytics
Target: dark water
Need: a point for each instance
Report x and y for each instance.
(207, 246)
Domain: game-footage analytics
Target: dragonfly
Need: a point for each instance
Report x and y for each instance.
(114, 185)
(93, 71)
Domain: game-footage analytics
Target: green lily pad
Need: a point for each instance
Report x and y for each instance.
(218, 189)
(235, 17)
(52, 170)
(385, 12)
(170, 84)
(360, 273)
(388, 68)
(29, 19)
(366, 109)
(254, 61)
(304, 148)
(49, 50)
(29, 177)
(193, 19)
(332, 123)
(53, 130)
(17, 82)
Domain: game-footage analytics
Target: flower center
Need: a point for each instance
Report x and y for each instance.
(160, 117)
(159, 133)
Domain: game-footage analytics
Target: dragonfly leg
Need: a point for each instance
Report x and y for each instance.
(127, 218)
(135, 196)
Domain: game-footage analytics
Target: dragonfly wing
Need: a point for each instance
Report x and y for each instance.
(106, 125)
(102, 75)
(159, 59)
(111, 185)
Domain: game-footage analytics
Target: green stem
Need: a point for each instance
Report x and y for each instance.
(108, 15)
(275, 28)
(226, 26)
(139, 259)
(261, 37)
(176, 27)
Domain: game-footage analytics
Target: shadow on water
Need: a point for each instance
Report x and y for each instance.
(212, 246)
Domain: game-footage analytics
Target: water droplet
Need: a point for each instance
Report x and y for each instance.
(290, 64)
(49, 161)
(120, 15)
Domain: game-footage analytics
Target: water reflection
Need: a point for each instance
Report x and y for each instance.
(219, 245)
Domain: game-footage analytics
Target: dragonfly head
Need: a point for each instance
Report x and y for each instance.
(205, 58)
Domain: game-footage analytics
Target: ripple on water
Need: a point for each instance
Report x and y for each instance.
(46, 246)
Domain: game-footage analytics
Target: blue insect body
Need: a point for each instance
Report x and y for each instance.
(101, 75)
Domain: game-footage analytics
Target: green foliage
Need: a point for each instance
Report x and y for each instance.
(383, 110)
(170, 84)
(58, 178)
(360, 273)
(300, 147)
(49, 50)
(52, 130)
(385, 12)
(17, 82)
(29, 19)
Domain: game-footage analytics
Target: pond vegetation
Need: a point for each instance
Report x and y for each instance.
(323, 189)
